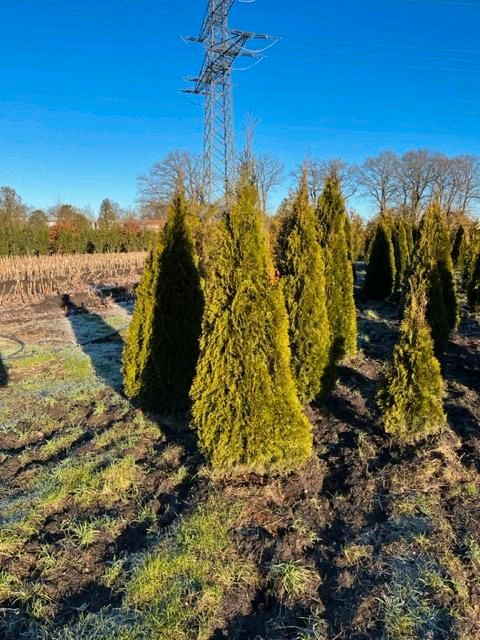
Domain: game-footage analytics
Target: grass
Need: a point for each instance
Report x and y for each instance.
(291, 581)
(181, 585)
(355, 553)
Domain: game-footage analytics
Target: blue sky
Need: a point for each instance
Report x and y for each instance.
(89, 89)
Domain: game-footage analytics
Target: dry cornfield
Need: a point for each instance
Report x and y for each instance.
(30, 278)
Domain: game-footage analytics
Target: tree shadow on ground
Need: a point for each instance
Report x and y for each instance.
(123, 297)
(376, 338)
(3, 373)
(466, 425)
(98, 340)
(461, 364)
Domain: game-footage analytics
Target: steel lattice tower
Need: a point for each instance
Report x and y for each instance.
(222, 47)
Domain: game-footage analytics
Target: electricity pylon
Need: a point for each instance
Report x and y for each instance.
(222, 47)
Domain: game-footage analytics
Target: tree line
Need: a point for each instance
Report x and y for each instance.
(65, 229)
(245, 335)
(402, 184)
(389, 181)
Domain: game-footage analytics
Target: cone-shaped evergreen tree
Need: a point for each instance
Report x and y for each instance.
(473, 292)
(138, 344)
(458, 241)
(300, 264)
(338, 269)
(435, 233)
(162, 348)
(380, 276)
(411, 394)
(400, 248)
(410, 235)
(245, 405)
(350, 245)
(433, 264)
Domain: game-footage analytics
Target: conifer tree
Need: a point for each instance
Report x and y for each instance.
(434, 230)
(338, 270)
(411, 393)
(473, 291)
(400, 248)
(300, 264)
(410, 235)
(163, 343)
(380, 276)
(458, 241)
(138, 344)
(350, 245)
(432, 262)
(245, 406)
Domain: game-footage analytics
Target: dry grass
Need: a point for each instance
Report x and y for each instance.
(30, 278)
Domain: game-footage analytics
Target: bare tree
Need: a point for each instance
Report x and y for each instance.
(318, 171)
(378, 177)
(417, 174)
(468, 175)
(446, 183)
(157, 187)
(266, 169)
(268, 172)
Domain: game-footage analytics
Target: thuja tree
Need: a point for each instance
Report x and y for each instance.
(471, 247)
(300, 264)
(245, 406)
(163, 343)
(401, 251)
(436, 246)
(411, 394)
(330, 214)
(473, 291)
(458, 243)
(138, 344)
(380, 276)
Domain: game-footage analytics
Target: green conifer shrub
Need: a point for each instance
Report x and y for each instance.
(351, 247)
(432, 262)
(470, 249)
(410, 235)
(245, 405)
(138, 344)
(380, 275)
(434, 227)
(330, 214)
(411, 393)
(458, 241)
(401, 251)
(436, 311)
(473, 291)
(300, 264)
(162, 348)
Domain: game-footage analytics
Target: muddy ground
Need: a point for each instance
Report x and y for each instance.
(112, 527)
